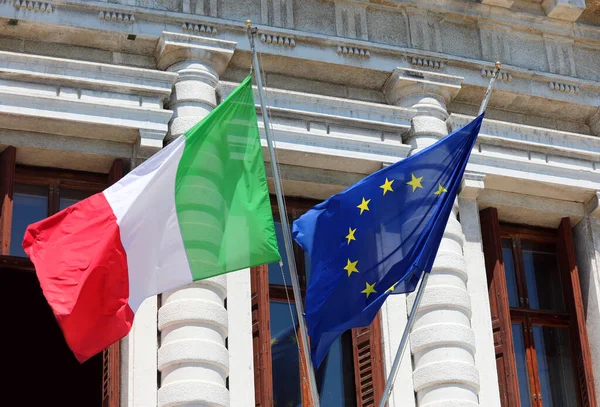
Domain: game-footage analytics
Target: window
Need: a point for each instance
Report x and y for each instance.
(542, 350)
(29, 194)
(351, 375)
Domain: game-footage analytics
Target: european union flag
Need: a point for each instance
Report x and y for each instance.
(377, 237)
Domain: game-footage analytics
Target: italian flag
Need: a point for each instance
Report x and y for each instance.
(197, 209)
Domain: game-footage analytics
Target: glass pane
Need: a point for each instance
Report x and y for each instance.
(521, 357)
(509, 271)
(544, 286)
(30, 204)
(555, 366)
(336, 375)
(69, 197)
(275, 276)
(284, 356)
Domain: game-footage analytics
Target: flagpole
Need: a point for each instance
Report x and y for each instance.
(287, 236)
(389, 385)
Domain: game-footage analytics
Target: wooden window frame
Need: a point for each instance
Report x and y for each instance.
(54, 179)
(503, 316)
(366, 342)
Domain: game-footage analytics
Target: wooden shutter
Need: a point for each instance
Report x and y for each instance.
(111, 357)
(7, 183)
(572, 289)
(368, 364)
(501, 324)
(261, 341)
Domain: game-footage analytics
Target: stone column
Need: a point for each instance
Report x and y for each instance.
(442, 341)
(192, 356)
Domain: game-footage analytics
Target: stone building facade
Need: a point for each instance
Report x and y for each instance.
(511, 316)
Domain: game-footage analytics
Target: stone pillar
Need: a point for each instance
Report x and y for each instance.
(481, 319)
(442, 341)
(192, 356)
(586, 236)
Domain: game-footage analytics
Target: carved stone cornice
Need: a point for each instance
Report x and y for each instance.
(592, 207)
(174, 47)
(594, 123)
(404, 83)
(471, 185)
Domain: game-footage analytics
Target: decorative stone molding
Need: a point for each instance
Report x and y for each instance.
(503, 76)
(592, 207)
(278, 40)
(353, 51)
(198, 28)
(594, 122)
(498, 3)
(351, 20)
(559, 51)
(277, 13)
(494, 43)
(205, 8)
(425, 32)
(568, 10)
(563, 87)
(403, 83)
(34, 5)
(529, 142)
(427, 63)
(116, 16)
(472, 184)
(173, 48)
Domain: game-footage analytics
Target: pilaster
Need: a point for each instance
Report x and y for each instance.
(481, 320)
(193, 321)
(586, 236)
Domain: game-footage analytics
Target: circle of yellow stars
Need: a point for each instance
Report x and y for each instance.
(351, 266)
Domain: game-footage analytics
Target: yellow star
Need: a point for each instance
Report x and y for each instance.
(387, 186)
(274, 341)
(415, 182)
(392, 288)
(364, 206)
(350, 235)
(440, 190)
(293, 339)
(369, 290)
(351, 267)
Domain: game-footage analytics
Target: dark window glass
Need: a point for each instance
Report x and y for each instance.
(336, 374)
(555, 366)
(285, 355)
(544, 286)
(30, 205)
(521, 357)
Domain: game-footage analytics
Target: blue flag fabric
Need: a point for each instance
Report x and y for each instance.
(377, 237)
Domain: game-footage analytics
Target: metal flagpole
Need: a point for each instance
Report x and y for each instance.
(287, 236)
(389, 385)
